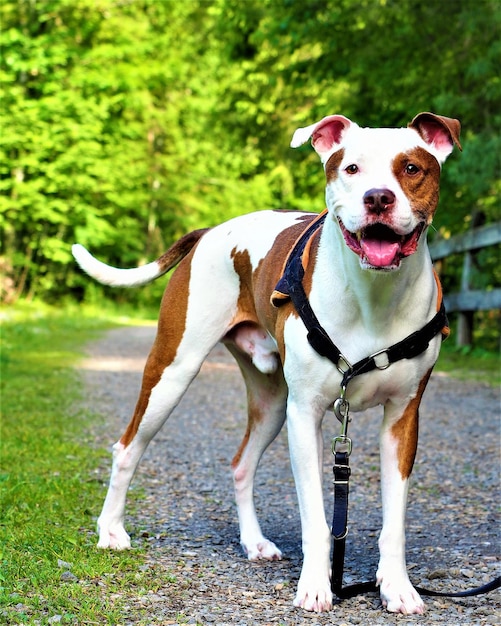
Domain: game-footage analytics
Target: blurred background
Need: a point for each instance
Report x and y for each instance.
(127, 123)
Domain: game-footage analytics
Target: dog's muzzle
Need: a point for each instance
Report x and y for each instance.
(380, 247)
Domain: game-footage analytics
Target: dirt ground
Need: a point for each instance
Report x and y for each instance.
(188, 522)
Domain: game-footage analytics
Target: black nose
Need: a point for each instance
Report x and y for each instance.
(379, 200)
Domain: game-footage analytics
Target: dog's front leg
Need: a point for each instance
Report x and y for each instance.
(398, 443)
(306, 447)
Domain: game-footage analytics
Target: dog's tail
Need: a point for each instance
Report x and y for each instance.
(108, 275)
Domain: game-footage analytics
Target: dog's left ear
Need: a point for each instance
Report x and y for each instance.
(325, 134)
(439, 132)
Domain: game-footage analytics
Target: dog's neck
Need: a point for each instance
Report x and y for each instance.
(375, 296)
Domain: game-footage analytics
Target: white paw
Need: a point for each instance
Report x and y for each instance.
(116, 539)
(399, 596)
(314, 595)
(263, 550)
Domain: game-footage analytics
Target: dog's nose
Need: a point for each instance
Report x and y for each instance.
(379, 200)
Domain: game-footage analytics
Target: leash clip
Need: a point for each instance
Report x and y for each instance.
(342, 443)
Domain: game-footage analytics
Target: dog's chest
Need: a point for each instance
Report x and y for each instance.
(314, 376)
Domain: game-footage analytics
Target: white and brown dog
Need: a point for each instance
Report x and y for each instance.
(369, 281)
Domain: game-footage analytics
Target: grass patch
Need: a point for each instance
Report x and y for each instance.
(469, 364)
(49, 486)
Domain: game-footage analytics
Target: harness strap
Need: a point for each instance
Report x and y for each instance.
(291, 286)
(408, 348)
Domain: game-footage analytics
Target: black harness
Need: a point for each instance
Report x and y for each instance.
(290, 287)
(291, 284)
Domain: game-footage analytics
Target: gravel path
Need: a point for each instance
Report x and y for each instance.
(188, 520)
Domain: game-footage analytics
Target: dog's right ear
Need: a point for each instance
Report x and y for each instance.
(324, 134)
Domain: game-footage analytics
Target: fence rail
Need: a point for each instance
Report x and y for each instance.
(475, 239)
(469, 300)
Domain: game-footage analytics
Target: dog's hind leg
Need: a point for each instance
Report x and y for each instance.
(266, 398)
(154, 406)
(181, 345)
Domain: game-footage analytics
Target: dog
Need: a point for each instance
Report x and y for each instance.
(368, 278)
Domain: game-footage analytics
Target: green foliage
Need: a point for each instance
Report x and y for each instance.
(471, 364)
(127, 124)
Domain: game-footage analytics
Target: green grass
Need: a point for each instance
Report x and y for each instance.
(49, 485)
(469, 364)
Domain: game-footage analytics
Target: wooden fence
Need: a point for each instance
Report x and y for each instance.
(468, 300)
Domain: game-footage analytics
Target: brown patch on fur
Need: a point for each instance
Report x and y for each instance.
(312, 255)
(180, 249)
(262, 393)
(171, 327)
(261, 388)
(246, 310)
(422, 188)
(257, 285)
(267, 275)
(254, 416)
(406, 431)
(243, 444)
(332, 165)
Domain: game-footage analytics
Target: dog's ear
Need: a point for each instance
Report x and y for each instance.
(438, 131)
(324, 134)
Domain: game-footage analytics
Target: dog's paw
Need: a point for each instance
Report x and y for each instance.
(116, 539)
(314, 596)
(399, 596)
(263, 550)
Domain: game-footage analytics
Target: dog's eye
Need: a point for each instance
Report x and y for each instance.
(411, 169)
(351, 169)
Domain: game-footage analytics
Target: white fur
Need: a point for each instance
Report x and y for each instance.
(114, 276)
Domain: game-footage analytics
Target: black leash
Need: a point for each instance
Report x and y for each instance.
(291, 286)
(340, 530)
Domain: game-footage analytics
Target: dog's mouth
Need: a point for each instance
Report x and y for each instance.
(380, 247)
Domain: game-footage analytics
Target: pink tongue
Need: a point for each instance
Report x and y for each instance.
(379, 253)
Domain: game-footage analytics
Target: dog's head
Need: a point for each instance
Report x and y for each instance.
(382, 183)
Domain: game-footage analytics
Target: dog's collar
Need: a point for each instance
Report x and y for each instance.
(290, 288)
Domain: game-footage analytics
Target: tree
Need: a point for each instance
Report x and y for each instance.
(127, 124)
